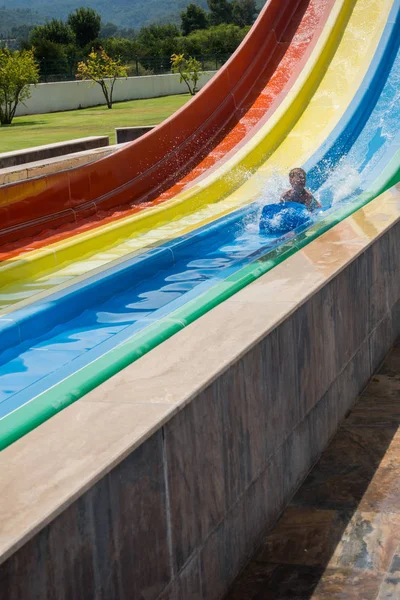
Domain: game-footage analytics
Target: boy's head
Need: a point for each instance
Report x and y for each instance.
(297, 178)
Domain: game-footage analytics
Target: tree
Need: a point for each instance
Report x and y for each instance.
(153, 37)
(86, 25)
(121, 48)
(220, 40)
(155, 45)
(52, 59)
(55, 31)
(17, 70)
(193, 18)
(108, 30)
(102, 69)
(189, 70)
(220, 11)
(244, 12)
(21, 33)
(127, 33)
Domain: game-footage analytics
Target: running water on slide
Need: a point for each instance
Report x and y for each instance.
(91, 242)
(345, 138)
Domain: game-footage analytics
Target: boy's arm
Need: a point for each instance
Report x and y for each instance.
(314, 202)
(284, 196)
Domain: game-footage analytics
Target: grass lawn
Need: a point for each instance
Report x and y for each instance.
(34, 130)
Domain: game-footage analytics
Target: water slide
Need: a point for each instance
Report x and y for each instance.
(145, 241)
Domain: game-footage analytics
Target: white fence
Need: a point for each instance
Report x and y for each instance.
(70, 95)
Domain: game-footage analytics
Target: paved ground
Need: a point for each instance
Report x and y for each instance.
(340, 536)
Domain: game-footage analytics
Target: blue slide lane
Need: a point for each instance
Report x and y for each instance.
(342, 138)
(74, 327)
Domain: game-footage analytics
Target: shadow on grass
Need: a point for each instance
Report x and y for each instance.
(23, 124)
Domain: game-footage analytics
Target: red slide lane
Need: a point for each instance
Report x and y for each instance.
(141, 170)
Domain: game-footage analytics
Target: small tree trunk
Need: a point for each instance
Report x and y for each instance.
(106, 95)
(5, 111)
(7, 114)
(186, 80)
(195, 80)
(13, 108)
(111, 92)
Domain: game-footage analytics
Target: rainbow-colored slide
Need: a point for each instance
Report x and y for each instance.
(102, 262)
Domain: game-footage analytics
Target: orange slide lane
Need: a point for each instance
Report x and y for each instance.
(299, 40)
(259, 98)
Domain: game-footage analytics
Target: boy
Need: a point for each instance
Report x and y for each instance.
(298, 193)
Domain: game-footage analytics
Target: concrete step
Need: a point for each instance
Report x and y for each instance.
(52, 165)
(28, 155)
(129, 134)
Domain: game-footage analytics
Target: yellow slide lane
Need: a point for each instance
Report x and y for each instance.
(308, 114)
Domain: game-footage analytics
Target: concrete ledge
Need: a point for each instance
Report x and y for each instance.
(52, 165)
(27, 155)
(129, 134)
(161, 482)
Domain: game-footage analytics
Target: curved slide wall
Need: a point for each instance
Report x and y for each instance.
(100, 236)
(226, 178)
(215, 186)
(144, 168)
(259, 105)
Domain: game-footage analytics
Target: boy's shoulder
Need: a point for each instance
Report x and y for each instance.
(287, 195)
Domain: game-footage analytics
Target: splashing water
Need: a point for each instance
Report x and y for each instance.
(342, 184)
